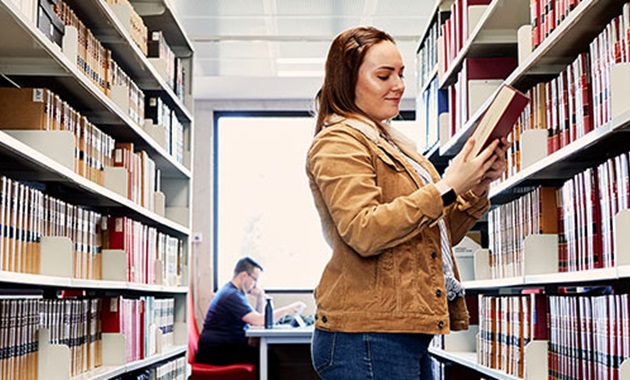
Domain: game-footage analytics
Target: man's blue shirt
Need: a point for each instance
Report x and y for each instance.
(224, 319)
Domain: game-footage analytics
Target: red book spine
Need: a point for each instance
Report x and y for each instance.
(112, 315)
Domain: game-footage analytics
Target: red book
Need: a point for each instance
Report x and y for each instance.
(499, 117)
(117, 232)
(112, 315)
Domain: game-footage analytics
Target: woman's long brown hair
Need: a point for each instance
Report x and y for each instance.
(345, 56)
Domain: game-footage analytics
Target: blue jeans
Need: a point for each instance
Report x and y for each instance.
(362, 356)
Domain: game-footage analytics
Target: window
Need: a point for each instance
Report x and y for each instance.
(264, 208)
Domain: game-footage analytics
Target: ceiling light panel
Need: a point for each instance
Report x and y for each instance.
(237, 67)
(325, 27)
(219, 7)
(320, 8)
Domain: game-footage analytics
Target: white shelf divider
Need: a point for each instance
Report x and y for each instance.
(482, 264)
(540, 254)
(624, 370)
(462, 341)
(524, 42)
(114, 265)
(59, 146)
(53, 361)
(533, 146)
(156, 131)
(56, 256)
(536, 360)
(114, 353)
(622, 242)
(619, 89)
(116, 179)
(70, 43)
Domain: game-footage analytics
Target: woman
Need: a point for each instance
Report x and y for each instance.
(391, 283)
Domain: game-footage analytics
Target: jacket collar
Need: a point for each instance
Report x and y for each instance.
(370, 130)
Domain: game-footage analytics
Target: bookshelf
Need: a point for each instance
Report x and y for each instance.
(568, 38)
(100, 94)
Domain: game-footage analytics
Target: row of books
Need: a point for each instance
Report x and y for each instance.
(567, 106)
(456, 30)
(172, 369)
(142, 175)
(28, 214)
(610, 47)
(506, 325)
(75, 323)
(508, 225)
(92, 58)
(562, 107)
(78, 323)
(547, 15)
(581, 212)
(578, 99)
(427, 54)
(136, 27)
(165, 117)
(42, 109)
(96, 62)
(589, 336)
(174, 72)
(19, 325)
(146, 322)
(152, 257)
(431, 103)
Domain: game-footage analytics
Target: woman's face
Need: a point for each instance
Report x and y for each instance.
(380, 84)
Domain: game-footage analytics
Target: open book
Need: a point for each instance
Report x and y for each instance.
(499, 117)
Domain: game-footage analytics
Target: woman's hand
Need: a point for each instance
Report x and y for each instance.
(466, 172)
(496, 169)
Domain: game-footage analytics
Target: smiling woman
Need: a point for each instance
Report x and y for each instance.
(264, 208)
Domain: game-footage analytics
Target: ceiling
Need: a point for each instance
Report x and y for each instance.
(275, 49)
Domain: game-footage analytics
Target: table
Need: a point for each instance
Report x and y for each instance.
(278, 335)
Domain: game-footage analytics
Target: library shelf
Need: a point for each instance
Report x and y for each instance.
(107, 27)
(27, 163)
(43, 160)
(494, 35)
(567, 40)
(565, 162)
(571, 37)
(469, 359)
(27, 56)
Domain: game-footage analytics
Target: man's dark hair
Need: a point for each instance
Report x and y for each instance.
(246, 264)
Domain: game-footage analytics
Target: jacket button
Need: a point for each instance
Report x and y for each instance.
(438, 293)
(433, 255)
(324, 319)
(441, 324)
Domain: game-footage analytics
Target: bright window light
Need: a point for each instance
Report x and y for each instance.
(264, 206)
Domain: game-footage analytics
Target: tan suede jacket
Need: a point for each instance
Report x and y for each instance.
(385, 273)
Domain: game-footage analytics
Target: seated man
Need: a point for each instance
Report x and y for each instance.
(222, 340)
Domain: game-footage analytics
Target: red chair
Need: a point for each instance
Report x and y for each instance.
(207, 371)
